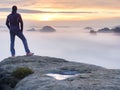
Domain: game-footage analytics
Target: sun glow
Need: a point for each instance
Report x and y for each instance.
(45, 18)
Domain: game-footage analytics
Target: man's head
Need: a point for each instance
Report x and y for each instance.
(14, 8)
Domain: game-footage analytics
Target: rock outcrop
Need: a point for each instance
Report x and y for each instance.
(93, 32)
(32, 29)
(105, 30)
(88, 28)
(47, 29)
(116, 29)
(89, 77)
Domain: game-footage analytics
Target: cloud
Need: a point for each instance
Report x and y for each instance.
(38, 11)
(5, 9)
(62, 4)
(69, 4)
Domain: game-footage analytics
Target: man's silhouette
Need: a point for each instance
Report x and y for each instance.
(15, 25)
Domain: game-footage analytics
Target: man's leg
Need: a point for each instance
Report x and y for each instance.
(22, 37)
(12, 39)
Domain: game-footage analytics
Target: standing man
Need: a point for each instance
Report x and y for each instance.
(15, 25)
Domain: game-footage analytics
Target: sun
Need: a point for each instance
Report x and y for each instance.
(46, 17)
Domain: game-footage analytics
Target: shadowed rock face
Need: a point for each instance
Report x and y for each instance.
(47, 29)
(90, 77)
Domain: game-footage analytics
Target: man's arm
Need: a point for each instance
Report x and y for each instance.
(7, 23)
(21, 23)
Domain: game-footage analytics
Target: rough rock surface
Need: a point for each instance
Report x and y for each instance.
(90, 77)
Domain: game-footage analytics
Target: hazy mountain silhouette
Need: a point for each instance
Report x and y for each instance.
(105, 30)
(47, 29)
(116, 29)
(108, 30)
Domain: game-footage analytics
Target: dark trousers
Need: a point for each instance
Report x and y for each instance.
(12, 39)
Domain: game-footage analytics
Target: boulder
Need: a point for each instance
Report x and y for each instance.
(85, 76)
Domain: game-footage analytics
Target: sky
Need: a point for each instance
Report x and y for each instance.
(55, 10)
(101, 11)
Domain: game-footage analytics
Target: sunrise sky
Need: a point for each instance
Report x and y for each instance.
(58, 10)
(71, 40)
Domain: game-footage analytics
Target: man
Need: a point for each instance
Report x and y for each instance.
(15, 25)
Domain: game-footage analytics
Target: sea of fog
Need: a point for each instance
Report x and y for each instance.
(70, 43)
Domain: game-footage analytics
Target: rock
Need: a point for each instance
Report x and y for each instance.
(7, 82)
(88, 28)
(47, 29)
(32, 29)
(116, 29)
(89, 77)
(93, 32)
(105, 30)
